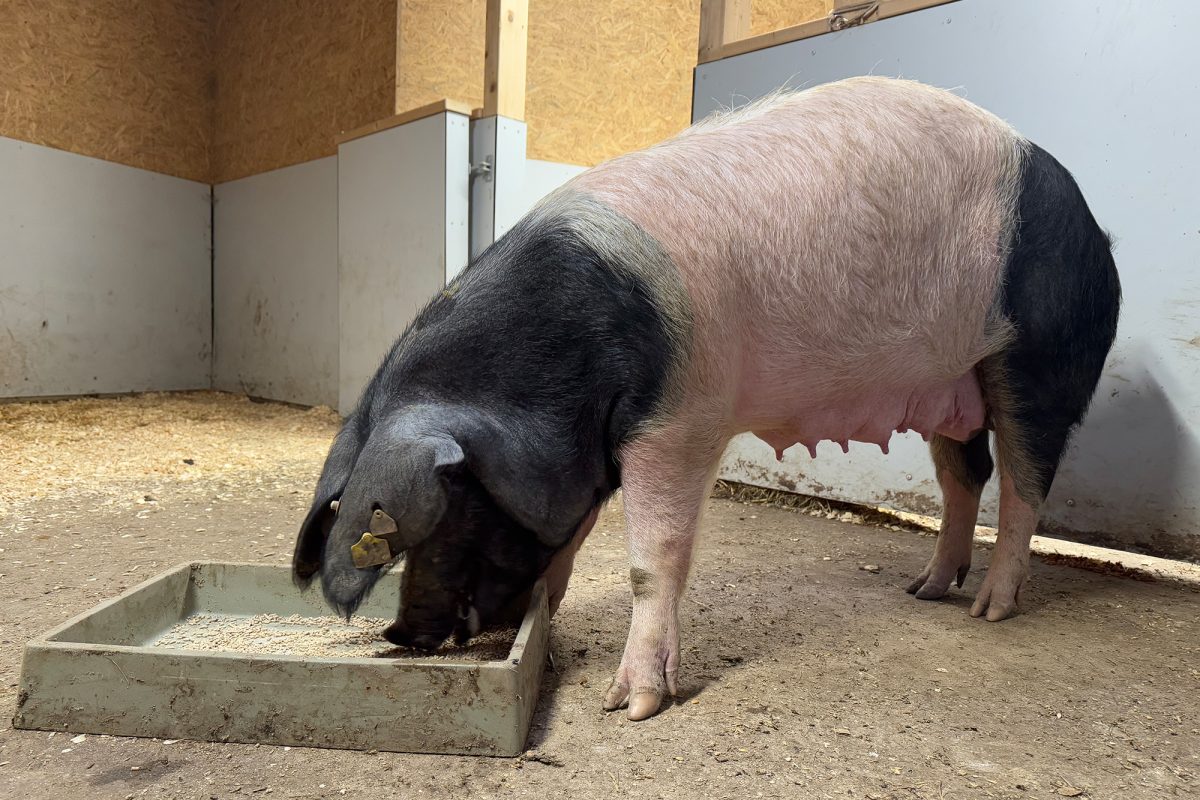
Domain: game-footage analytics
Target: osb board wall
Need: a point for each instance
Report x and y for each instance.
(769, 15)
(292, 74)
(607, 78)
(128, 81)
(215, 90)
(440, 52)
(603, 78)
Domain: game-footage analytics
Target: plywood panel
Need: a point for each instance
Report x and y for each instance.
(608, 78)
(603, 78)
(128, 81)
(292, 74)
(769, 15)
(104, 276)
(440, 51)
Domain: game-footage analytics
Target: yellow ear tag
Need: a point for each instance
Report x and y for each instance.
(370, 551)
(374, 547)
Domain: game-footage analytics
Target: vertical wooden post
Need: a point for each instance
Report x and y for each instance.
(722, 22)
(400, 104)
(504, 58)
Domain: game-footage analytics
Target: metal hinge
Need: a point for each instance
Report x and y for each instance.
(482, 169)
(843, 17)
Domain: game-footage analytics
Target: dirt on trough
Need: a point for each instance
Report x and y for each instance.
(804, 674)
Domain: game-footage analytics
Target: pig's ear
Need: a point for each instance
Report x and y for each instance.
(448, 455)
(339, 464)
(549, 495)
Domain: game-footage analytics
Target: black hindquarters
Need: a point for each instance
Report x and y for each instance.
(1062, 295)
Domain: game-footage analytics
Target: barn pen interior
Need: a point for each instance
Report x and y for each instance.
(216, 216)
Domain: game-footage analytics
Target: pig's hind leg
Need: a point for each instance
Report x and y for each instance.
(666, 475)
(1062, 296)
(962, 471)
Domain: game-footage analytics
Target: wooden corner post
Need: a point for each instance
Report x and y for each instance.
(722, 22)
(504, 58)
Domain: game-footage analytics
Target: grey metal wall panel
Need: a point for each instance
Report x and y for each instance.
(458, 194)
(483, 184)
(512, 185)
(509, 173)
(104, 276)
(276, 284)
(1110, 88)
(392, 239)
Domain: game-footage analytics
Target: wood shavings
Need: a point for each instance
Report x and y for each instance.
(816, 506)
(322, 637)
(133, 448)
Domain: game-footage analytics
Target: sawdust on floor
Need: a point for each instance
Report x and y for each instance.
(804, 672)
(122, 450)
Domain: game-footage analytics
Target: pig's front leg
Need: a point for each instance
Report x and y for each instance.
(558, 574)
(666, 477)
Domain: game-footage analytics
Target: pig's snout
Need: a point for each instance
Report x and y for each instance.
(400, 634)
(345, 587)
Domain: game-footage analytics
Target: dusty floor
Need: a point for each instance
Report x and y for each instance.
(805, 676)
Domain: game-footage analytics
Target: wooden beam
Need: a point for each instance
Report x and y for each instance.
(504, 58)
(722, 22)
(396, 107)
(412, 115)
(816, 27)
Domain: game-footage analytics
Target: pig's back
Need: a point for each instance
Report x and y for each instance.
(843, 238)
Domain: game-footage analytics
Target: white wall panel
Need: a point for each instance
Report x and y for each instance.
(401, 229)
(276, 284)
(104, 276)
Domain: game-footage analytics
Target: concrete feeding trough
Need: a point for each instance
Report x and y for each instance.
(108, 672)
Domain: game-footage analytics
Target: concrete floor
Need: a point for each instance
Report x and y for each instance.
(803, 675)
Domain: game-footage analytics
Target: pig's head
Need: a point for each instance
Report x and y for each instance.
(468, 563)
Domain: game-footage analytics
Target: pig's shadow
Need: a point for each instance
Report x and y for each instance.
(1128, 477)
(592, 639)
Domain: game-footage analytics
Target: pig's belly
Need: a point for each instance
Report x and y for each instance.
(954, 410)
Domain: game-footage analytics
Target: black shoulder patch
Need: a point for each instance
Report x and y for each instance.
(557, 354)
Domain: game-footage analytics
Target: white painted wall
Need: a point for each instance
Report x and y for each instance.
(275, 284)
(541, 178)
(1113, 94)
(402, 228)
(104, 276)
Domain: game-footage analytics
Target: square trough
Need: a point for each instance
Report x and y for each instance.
(103, 673)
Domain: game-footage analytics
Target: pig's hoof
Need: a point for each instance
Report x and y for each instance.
(999, 594)
(642, 702)
(934, 582)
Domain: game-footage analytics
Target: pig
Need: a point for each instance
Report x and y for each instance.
(866, 257)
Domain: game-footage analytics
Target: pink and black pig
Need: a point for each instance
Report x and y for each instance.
(842, 263)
